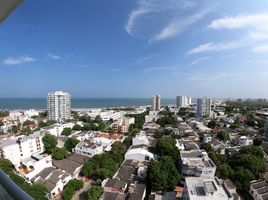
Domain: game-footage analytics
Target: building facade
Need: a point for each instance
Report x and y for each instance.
(156, 103)
(183, 101)
(59, 106)
(204, 107)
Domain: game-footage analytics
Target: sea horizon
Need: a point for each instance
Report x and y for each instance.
(40, 103)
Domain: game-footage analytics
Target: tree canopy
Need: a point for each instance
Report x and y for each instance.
(94, 192)
(70, 143)
(50, 142)
(167, 147)
(59, 153)
(71, 187)
(66, 131)
(223, 135)
(163, 174)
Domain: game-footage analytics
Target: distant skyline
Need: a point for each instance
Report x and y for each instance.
(135, 49)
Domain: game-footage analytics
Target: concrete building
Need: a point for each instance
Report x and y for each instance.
(259, 190)
(200, 188)
(18, 148)
(156, 103)
(53, 179)
(139, 153)
(244, 141)
(140, 139)
(183, 101)
(204, 107)
(59, 106)
(30, 167)
(87, 148)
(196, 163)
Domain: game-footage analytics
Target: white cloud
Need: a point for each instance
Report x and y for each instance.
(152, 69)
(256, 21)
(17, 60)
(209, 77)
(160, 19)
(199, 60)
(254, 27)
(54, 57)
(260, 49)
(179, 25)
(143, 59)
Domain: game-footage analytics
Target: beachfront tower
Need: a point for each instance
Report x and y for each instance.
(59, 106)
(156, 104)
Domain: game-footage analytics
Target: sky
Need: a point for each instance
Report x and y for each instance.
(135, 49)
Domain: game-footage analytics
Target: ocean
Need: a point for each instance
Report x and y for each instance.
(39, 103)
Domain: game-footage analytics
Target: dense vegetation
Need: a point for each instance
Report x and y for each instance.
(94, 192)
(71, 187)
(37, 191)
(105, 165)
(241, 168)
(70, 143)
(163, 173)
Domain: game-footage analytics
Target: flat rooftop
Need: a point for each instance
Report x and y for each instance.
(200, 188)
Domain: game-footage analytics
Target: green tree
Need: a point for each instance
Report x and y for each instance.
(66, 131)
(242, 178)
(128, 141)
(1, 123)
(223, 135)
(163, 174)
(70, 144)
(257, 141)
(71, 187)
(100, 166)
(77, 127)
(212, 124)
(94, 192)
(252, 150)
(167, 147)
(50, 142)
(101, 126)
(118, 148)
(6, 166)
(59, 153)
(224, 171)
(207, 147)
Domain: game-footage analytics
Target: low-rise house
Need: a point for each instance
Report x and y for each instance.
(34, 165)
(112, 196)
(201, 188)
(140, 139)
(244, 141)
(53, 179)
(259, 189)
(68, 166)
(137, 191)
(183, 129)
(139, 153)
(88, 148)
(196, 163)
(115, 185)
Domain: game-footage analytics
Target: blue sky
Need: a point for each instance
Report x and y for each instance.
(136, 49)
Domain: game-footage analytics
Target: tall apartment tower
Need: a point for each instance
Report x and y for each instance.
(156, 103)
(59, 106)
(183, 101)
(204, 107)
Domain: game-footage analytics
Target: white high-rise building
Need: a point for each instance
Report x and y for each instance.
(59, 106)
(183, 101)
(204, 107)
(156, 103)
